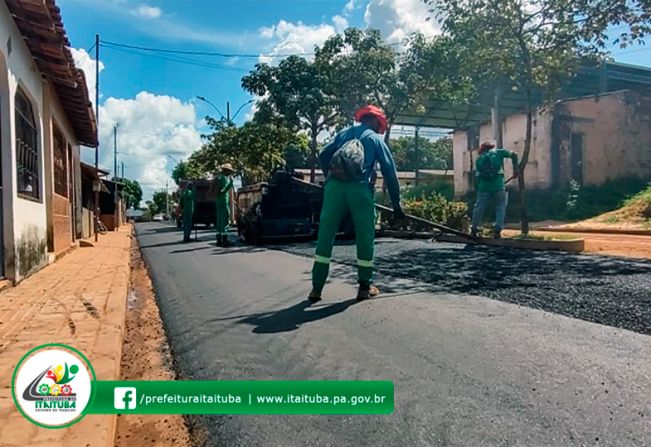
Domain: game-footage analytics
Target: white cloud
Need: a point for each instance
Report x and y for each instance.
(288, 38)
(168, 27)
(396, 19)
(87, 64)
(150, 127)
(232, 61)
(350, 7)
(340, 22)
(150, 12)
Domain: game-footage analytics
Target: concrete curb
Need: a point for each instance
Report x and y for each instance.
(595, 231)
(572, 245)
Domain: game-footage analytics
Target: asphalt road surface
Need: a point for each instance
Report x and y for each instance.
(470, 366)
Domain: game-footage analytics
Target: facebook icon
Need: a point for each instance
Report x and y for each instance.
(124, 398)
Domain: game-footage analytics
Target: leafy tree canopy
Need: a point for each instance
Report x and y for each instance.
(430, 154)
(255, 150)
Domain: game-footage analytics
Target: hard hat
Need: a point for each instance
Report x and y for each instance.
(373, 111)
(486, 145)
(227, 167)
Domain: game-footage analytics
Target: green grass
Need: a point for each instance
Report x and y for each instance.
(643, 196)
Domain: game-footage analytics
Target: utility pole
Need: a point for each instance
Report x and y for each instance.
(167, 201)
(228, 112)
(417, 160)
(496, 115)
(96, 187)
(122, 176)
(116, 213)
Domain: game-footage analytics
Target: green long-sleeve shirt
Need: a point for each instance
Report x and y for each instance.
(223, 186)
(495, 156)
(187, 202)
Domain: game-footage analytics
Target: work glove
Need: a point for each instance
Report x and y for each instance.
(398, 213)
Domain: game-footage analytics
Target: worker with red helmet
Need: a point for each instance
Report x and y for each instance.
(491, 185)
(348, 163)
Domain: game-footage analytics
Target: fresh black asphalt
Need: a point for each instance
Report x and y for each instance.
(468, 370)
(606, 290)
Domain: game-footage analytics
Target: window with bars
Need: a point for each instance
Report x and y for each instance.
(60, 163)
(27, 154)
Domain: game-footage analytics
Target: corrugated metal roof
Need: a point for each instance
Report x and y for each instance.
(607, 77)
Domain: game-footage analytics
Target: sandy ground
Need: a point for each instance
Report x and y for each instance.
(146, 356)
(631, 246)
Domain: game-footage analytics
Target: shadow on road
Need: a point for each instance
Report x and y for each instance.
(293, 317)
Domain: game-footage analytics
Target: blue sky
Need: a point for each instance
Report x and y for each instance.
(153, 100)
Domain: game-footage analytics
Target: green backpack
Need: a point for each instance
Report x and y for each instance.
(487, 170)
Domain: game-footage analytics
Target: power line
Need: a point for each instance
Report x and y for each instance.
(186, 61)
(202, 53)
(214, 53)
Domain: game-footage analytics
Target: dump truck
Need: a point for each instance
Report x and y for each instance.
(204, 203)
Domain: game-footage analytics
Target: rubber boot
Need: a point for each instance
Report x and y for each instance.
(226, 242)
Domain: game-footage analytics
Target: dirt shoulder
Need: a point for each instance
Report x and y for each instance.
(146, 356)
(631, 246)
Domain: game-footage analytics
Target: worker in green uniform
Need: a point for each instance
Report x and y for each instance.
(187, 210)
(223, 185)
(491, 186)
(348, 163)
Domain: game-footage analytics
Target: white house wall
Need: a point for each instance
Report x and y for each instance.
(25, 234)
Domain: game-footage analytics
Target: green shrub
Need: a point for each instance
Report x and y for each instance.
(417, 192)
(435, 208)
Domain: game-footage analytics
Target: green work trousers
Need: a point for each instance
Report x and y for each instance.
(187, 225)
(340, 198)
(223, 216)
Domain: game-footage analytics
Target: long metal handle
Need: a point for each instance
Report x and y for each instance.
(440, 227)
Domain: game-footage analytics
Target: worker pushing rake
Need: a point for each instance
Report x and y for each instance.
(348, 163)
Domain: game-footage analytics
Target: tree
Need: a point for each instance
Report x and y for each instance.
(535, 46)
(255, 150)
(179, 172)
(159, 202)
(363, 69)
(431, 154)
(297, 156)
(295, 92)
(151, 207)
(132, 193)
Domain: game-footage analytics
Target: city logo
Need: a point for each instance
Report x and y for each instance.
(51, 385)
(124, 398)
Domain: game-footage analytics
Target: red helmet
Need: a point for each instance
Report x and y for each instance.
(376, 112)
(486, 145)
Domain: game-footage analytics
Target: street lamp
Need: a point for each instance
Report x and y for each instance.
(228, 118)
(242, 106)
(213, 105)
(174, 159)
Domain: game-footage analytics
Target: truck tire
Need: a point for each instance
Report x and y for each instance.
(251, 234)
